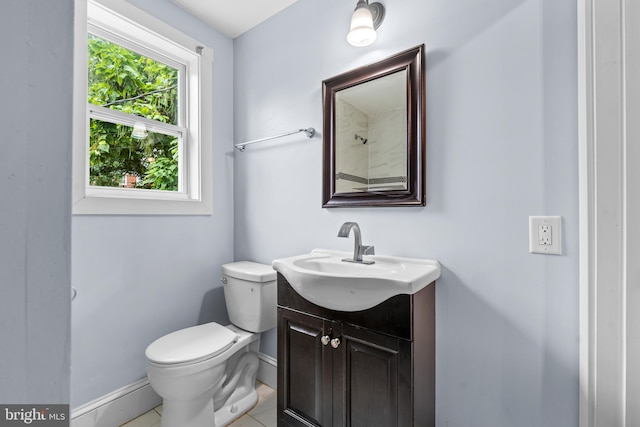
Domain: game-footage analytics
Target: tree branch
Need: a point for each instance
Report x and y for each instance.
(119, 101)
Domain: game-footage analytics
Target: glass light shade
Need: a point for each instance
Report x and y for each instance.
(362, 32)
(139, 131)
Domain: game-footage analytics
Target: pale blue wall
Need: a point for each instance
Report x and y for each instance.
(501, 145)
(140, 277)
(36, 44)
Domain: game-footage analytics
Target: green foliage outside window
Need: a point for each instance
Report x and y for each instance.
(123, 80)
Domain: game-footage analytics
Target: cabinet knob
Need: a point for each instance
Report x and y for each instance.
(335, 342)
(325, 339)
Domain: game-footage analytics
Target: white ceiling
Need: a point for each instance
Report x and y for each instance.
(233, 17)
(381, 95)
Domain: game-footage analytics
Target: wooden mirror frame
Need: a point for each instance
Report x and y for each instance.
(412, 61)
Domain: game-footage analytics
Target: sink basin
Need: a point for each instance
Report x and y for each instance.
(322, 278)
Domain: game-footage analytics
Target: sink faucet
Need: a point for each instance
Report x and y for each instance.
(358, 248)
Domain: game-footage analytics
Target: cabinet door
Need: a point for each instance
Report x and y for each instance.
(371, 379)
(304, 370)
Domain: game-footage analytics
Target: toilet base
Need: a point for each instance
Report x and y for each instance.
(227, 414)
(237, 394)
(191, 413)
(200, 413)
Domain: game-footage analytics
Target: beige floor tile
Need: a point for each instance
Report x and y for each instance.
(245, 421)
(158, 409)
(264, 391)
(149, 419)
(265, 413)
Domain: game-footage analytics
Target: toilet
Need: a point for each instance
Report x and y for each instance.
(206, 374)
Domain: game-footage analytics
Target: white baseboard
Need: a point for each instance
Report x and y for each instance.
(118, 407)
(268, 370)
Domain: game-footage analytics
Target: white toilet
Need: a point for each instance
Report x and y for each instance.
(206, 374)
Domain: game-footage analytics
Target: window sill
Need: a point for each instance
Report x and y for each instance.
(132, 206)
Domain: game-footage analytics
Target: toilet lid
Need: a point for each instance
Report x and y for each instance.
(191, 344)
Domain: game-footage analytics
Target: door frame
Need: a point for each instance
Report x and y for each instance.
(609, 79)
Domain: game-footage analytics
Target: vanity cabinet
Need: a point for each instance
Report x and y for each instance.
(368, 368)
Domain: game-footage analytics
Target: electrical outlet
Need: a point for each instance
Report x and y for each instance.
(545, 235)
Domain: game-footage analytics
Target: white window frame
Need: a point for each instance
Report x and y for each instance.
(121, 21)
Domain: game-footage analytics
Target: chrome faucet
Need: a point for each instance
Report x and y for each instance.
(358, 248)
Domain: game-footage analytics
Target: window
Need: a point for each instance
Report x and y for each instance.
(122, 151)
(140, 144)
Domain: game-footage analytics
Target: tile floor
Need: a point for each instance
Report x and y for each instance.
(261, 415)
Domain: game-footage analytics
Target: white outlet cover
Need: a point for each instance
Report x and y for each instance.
(555, 248)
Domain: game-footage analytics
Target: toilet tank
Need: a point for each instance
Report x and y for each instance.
(250, 294)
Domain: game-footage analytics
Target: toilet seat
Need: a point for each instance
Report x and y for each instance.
(191, 345)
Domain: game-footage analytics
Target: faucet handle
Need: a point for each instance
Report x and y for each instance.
(368, 250)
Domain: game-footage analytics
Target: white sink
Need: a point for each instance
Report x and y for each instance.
(322, 278)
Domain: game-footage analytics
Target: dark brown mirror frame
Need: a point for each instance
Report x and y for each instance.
(412, 61)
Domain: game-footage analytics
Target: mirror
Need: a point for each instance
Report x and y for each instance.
(374, 134)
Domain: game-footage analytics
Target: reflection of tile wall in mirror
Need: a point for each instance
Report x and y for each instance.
(388, 144)
(369, 146)
(351, 155)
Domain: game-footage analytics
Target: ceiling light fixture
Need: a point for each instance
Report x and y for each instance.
(365, 21)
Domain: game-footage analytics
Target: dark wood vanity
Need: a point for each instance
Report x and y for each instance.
(370, 368)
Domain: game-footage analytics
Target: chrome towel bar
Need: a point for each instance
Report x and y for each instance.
(309, 131)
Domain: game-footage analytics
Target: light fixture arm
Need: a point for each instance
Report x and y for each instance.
(377, 12)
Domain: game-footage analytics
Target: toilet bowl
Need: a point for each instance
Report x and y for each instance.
(206, 374)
